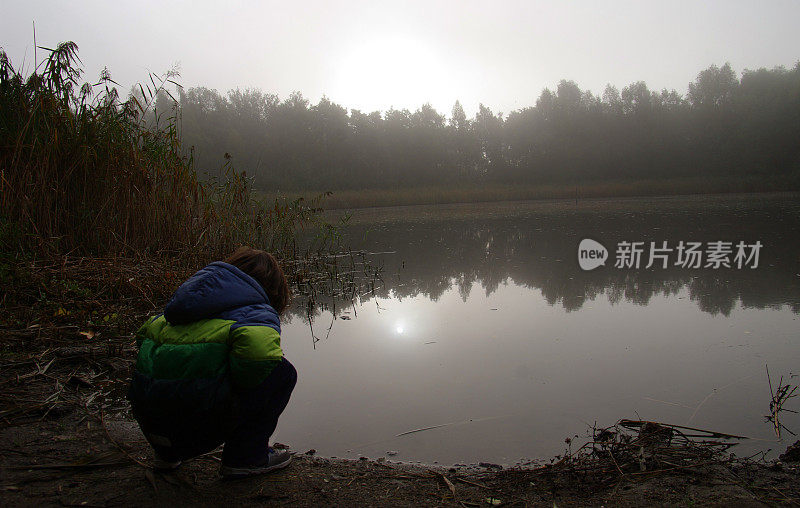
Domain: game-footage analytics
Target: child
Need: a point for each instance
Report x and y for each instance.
(210, 368)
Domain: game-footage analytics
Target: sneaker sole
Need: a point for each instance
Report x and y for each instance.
(242, 472)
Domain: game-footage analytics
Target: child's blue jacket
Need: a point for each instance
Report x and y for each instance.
(218, 330)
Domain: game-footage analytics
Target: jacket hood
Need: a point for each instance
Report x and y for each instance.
(217, 288)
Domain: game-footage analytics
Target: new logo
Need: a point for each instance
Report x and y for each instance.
(591, 254)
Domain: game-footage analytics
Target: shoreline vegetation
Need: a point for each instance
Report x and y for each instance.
(103, 214)
(84, 174)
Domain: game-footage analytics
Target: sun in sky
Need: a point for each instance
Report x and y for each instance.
(394, 71)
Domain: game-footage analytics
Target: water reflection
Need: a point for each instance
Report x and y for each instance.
(482, 327)
(535, 246)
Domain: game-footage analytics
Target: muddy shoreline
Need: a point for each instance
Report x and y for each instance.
(78, 459)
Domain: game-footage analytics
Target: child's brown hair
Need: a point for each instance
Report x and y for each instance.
(264, 268)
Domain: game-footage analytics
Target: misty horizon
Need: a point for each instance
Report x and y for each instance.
(473, 109)
(373, 56)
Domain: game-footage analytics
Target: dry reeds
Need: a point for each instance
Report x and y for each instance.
(82, 173)
(633, 450)
(779, 396)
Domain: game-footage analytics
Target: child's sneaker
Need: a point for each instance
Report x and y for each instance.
(276, 459)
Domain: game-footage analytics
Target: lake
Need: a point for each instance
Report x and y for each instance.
(481, 327)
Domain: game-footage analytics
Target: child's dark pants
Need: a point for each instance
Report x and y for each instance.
(245, 433)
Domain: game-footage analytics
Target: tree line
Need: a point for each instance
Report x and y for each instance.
(725, 126)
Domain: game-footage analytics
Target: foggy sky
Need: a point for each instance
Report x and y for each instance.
(372, 55)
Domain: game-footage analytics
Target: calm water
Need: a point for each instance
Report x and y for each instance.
(485, 324)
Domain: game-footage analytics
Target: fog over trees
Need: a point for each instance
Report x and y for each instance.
(723, 126)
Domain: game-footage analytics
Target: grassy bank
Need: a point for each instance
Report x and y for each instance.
(364, 198)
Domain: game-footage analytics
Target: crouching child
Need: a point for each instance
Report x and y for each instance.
(210, 369)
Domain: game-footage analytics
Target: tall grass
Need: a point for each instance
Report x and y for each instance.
(81, 172)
